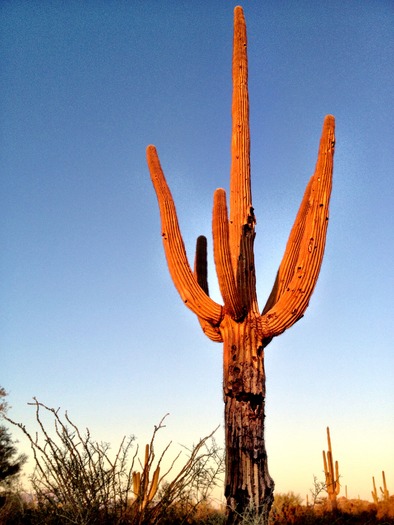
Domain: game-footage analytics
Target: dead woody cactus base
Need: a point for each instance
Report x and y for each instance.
(239, 324)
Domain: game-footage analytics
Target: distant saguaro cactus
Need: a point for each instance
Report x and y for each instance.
(331, 474)
(384, 490)
(145, 489)
(238, 323)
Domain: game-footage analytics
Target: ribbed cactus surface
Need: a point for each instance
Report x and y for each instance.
(238, 323)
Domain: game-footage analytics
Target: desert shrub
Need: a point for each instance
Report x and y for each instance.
(75, 479)
(385, 508)
(78, 480)
(286, 508)
(12, 509)
(301, 515)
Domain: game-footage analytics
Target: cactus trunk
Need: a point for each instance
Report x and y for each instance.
(248, 483)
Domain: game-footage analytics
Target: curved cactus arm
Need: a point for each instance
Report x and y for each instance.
(289, 260)
(222, 256)
(201, 274)
(309, 240)
(210, 331)
(191, 293)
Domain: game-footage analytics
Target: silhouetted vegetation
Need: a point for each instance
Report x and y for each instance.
(23, 510)
(11, 464)
(80, 481)
(287, 509)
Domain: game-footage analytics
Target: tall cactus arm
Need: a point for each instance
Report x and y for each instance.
(242, 220)
(201, 264)
(384, 490)
(201, 274)
(188, 288)
(326, 470)
(240, 189)
(222, 256)
(307, 240)
(374, 492)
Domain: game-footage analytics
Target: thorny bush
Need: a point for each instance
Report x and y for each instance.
(78, 480)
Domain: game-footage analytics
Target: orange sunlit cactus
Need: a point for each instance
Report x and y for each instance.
(238, 322)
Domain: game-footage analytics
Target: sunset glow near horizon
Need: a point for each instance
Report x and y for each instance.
(91, 321)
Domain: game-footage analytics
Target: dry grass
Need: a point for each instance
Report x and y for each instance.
(286, 510)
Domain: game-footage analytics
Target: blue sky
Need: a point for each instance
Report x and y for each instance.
(90, 320)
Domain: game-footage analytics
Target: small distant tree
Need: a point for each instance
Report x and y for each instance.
(10, 462)
(11, 505)
(318, 488)
(3, 403)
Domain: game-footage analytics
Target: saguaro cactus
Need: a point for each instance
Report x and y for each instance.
(384, 490)
(332, 475)
(238, 323)
(144, 489)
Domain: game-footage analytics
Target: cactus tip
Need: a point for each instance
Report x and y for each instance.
(329, 120)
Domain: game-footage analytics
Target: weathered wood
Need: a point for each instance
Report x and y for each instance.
(248, 482)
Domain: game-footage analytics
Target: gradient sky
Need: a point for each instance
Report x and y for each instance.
(90, 320)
